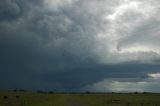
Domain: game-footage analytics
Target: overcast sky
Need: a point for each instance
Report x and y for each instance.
(80, 45)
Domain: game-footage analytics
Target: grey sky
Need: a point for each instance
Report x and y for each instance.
(76, 45)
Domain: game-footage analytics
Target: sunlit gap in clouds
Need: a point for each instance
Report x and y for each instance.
(127, 85)
(121, 9)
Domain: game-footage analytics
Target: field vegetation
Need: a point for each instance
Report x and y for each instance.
(21, 98)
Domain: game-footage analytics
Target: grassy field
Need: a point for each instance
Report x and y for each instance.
(119, 99)
(45, 99)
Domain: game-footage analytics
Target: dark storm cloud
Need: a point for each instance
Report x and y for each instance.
(35, 40)
(69, 44)
(13, 9)
(80, 77)
(9, 10)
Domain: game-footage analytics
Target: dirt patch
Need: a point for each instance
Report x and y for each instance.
(73, 102)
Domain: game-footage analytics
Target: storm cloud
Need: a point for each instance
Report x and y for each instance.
(72, 44)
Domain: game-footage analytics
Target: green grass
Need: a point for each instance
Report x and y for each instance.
(32, 99)
(44, 99)
(123, 99)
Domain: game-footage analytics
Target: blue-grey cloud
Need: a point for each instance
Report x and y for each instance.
(69, 44)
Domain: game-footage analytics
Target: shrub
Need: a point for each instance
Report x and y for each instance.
(17, 96)
(5, 97)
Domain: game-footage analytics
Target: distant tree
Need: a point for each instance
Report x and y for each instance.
(22, 90)
(15, 90)
(145, 92)
(135, 92)
(87, 92)
(39, 91)
(51, 92)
